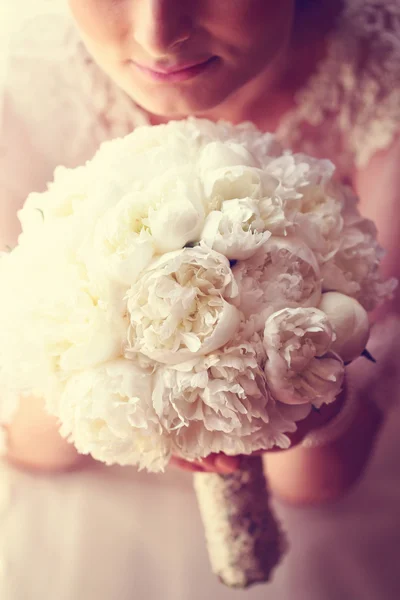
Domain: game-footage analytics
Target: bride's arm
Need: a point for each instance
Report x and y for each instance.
(32, 439)
(323, 473)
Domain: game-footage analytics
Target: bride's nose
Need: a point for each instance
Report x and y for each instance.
(160, 25)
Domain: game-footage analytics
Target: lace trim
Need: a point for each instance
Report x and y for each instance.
(350, 108)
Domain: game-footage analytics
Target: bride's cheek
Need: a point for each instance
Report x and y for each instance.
(33, 441)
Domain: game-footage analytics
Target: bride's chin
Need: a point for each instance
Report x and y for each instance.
(174, 104)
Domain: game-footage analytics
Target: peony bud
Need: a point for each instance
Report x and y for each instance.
(350, 322)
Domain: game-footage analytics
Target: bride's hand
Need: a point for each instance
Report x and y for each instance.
(223, 464)
(33, 441)
(318, 472)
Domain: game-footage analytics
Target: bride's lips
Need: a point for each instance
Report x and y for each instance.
(177, 73)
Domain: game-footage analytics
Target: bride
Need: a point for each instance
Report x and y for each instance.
(325, 77)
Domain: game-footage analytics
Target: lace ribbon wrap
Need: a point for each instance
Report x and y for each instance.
(245, 542)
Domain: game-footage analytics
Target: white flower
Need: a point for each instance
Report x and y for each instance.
(257, 144)
(318, 221)
(107, 412)
(229, 231)
(300, 368)
(140, 225)
(252, 189)
(180, 307)
(176, 216)
(283, 273)
(120, 306)
(54, 318)
(120, 246)
(312, 204)
(298, 172)
(63, 199)
(350, 322)
(219, 155)
(353, 266)
(232, 183)
(219, 403)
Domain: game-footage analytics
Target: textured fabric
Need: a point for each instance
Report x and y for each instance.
(111, 533)
(350, 107)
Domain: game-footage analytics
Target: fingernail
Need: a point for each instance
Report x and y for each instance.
(227, 464)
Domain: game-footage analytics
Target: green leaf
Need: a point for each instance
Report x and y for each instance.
(368, 356)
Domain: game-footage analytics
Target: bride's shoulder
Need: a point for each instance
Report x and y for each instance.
(28, 29)
(372, 28)
(350, 107)
(68, 105)
(370, 39)
(37, 48)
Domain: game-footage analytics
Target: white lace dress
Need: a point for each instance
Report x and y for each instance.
(114, 534)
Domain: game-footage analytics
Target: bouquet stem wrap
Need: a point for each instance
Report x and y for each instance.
(244, 539)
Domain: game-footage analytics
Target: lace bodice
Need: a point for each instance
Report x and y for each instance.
(349, 109)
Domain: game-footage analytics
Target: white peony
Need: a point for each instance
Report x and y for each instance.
(354, 268)
(253, 189)
(64, 198)
(312, 204)
(143, 282)
(318, 221)
(55, 319)
(220, 402)
(219, 155)
(297, 173)
(350, 322)
(180, 307)
(232, 183)
(300, 368)
(107, 412)
(229, 230)
(120, 246)
(178, 209)
(283, 273)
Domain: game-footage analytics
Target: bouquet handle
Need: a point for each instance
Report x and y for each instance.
(243, 537)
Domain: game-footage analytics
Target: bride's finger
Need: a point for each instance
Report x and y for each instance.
(214, 463)
(185, 465)
(316, 419)
(223, 464)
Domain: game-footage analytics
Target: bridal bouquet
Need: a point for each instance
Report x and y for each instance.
(192, 289)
